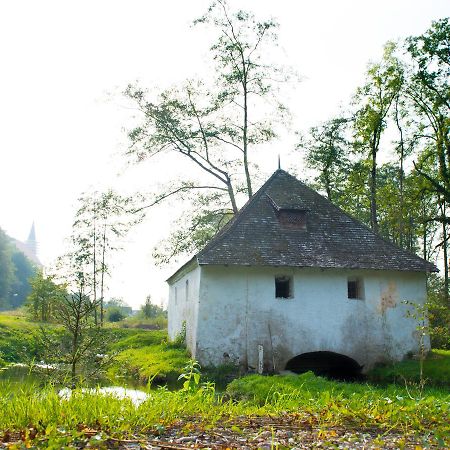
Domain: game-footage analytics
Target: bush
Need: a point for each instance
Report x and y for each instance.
(114, 314)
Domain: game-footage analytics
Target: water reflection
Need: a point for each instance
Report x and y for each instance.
(21, 376)
(44, 374)
(136, 396)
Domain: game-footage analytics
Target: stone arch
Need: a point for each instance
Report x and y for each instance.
(324, 363)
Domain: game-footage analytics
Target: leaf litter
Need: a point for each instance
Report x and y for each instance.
(286, 431)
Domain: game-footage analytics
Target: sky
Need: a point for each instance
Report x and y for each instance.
(65, 63)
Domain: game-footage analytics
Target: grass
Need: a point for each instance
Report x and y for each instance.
(18, 340)
(145, 355)
(436, 370)
(155, 323)
(312, 401)
(349, 404)
(141, 354)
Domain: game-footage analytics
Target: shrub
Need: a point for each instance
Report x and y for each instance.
(114, 314)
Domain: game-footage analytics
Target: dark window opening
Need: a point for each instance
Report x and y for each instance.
(327, 364)
(292, 218)
(354, 289)
(283, 287)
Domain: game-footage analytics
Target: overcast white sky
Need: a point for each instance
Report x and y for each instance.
(64, 63)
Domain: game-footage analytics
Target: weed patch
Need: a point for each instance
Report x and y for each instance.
(436, 370)
(336, 403)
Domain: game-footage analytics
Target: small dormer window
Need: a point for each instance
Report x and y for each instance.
(292, 218)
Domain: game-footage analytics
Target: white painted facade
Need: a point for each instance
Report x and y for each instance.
(230, 311)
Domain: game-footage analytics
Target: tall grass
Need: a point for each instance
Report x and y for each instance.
(436, 370)
(336, 403)
(145, 355)
(311, 399)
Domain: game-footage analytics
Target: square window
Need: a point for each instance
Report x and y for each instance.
(355, 289)
(283, 287)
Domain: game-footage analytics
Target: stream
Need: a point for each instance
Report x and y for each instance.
(19, 376)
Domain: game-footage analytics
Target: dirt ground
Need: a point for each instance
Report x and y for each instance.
(282, 433)
(265, 433)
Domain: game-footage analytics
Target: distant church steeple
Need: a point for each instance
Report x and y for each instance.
(31, 241)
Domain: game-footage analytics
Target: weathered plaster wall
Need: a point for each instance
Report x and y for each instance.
(238, 311)
(183, 307)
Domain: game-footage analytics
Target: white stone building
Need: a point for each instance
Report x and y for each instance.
(296, 280)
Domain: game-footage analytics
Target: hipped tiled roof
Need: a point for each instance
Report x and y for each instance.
(332, 239)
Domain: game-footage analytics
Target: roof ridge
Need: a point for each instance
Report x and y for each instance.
(336, 238)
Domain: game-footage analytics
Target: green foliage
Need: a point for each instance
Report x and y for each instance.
(438, 313)
(191, 375)
(337, 403)
(436, 370)
(146, 354)
(6, 270)
(20, 340)
(206, 124)
(311, 400)
(24, 271)
(83, 339)
(137, 321)
(163, 362)
(180, 339)
(149, 310)
(15, 270)
(114, 314)
(133, 338)
(44, 297)
(429, 92)
(326, 150)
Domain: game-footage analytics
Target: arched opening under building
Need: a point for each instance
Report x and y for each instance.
(326, 364)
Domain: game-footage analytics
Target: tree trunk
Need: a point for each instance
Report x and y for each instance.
(401, 175)
(425, 250)
(103, 276)
(95, 274)
(373, 191)
(446, 293)
(75, 338)
(245, 142)
(445, 250)
(326, 177)
(231, 195)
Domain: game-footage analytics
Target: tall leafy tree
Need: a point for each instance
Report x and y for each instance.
(214, 126)
(6, 270)
(375, 99)
(429, 91)
(100, 222)
(24, 271)
(246, 79)
(15, 271)
(182, 121)
(402, 115)
(326, 152)
(82, 340)
(44, 297)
